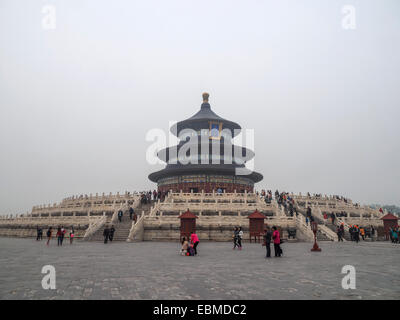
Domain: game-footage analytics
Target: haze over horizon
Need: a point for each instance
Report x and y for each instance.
(77, 101)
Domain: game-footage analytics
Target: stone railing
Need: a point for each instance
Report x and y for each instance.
(328, 232)
(180, 202)
(304, 228)
(217, 196)
(155, 209)
(93, 203)
(279, 211)
(94, 226)
(137, 230)
(122, 207)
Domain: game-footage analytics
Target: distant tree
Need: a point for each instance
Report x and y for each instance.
(390, 208)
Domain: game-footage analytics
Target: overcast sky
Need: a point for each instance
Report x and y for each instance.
(77, 101)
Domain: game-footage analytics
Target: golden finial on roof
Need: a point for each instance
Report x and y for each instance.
(205, 97)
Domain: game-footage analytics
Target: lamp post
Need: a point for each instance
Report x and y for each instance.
(314, 228)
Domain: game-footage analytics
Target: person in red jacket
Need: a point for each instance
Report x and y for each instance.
(194, 239)
(277, 242)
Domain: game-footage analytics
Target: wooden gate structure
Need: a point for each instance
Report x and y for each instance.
(256, 225)
(188, 224)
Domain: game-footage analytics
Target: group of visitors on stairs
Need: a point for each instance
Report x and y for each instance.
(108, 232)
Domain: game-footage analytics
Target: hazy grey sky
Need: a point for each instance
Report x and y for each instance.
(76, 102)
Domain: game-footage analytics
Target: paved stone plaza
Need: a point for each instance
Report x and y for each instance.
(153, 270)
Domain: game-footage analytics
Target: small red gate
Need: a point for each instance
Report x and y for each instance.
(256, 225)
(188, 224)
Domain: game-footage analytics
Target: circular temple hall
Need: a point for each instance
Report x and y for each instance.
(205, 158)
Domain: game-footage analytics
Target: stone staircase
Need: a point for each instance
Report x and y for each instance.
(122, 228)
(333, 227)
(321, 235)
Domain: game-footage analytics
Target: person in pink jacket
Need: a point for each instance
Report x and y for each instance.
(194, 239)
(277, 242)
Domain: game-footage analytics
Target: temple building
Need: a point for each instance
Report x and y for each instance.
(205, 158)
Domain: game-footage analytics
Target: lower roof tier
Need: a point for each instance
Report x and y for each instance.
(226, 170)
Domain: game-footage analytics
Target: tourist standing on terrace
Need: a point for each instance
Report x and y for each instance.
(120, 214)
(49, 232)
(277, 242)
(194, 239)
(131, 212)
(333, 218)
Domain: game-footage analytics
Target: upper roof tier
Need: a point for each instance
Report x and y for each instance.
(203, 120)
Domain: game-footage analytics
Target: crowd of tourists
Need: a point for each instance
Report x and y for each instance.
(147, 197)
(282, 198)
(60, 235)
(356, 232)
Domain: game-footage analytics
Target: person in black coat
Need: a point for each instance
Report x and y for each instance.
(309, 212)
(267, 241)
(111, 233)
(106, 234)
